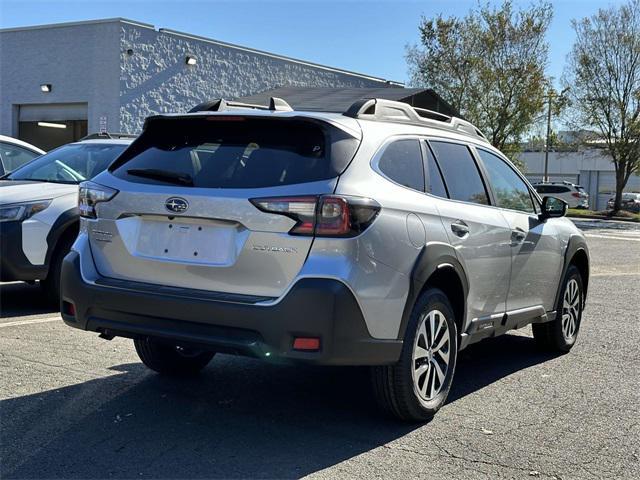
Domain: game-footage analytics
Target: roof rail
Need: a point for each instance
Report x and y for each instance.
(220, 105)
(400, 112)
(107, 135)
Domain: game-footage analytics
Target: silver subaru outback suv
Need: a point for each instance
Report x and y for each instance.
(385, 236)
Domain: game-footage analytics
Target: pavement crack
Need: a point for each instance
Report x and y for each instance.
(447, 454)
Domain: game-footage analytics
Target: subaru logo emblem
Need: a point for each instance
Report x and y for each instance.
(176, 205)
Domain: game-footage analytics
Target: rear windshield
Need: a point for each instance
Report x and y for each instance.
(235, 152)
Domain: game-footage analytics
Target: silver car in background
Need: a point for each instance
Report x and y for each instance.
(384, 236)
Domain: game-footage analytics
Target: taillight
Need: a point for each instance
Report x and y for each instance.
(323, 216)
(90, 194)
(576, 195)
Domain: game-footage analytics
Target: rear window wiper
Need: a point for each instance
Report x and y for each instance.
(163, 175)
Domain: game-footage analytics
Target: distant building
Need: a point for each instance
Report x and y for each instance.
(60, 81)
(590, 167)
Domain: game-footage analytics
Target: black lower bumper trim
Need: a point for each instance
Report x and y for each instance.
(323, 308)
(14, 265)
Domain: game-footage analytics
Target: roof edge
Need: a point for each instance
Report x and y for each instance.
(275, 55)
(200, 38)
(81, 22)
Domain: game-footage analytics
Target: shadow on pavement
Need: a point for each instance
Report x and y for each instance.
(20, 299)
(240, 418)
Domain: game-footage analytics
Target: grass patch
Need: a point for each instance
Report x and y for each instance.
(604, 214)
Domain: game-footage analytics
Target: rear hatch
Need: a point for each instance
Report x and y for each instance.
(182, 216)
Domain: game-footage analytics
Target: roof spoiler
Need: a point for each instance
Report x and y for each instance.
(221, 105)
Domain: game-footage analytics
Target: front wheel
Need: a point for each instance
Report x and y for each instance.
(417, 386)
(170, 359)
(560, 334)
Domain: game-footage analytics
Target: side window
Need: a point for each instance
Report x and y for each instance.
(401, 161)
(461, 174)
(14, 156)
(510, 190)
(435, 184)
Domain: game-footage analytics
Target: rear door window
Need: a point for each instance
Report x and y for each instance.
(235, 152)
(460, 172)
(401, 161)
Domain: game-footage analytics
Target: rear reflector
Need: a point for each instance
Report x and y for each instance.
(68, 308)
(306, 343)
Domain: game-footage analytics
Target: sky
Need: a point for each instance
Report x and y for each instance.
(359, 35)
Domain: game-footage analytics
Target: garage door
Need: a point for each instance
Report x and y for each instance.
(50, 125)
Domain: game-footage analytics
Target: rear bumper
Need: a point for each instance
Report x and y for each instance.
(14, 265)
(314, 307)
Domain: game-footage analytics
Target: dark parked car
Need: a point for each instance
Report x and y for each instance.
(630, 202)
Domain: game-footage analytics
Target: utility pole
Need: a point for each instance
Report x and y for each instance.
(546, 145)
(550, 97)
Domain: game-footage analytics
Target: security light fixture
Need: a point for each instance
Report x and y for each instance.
(45, 87)
(51, 125)
(190, 60)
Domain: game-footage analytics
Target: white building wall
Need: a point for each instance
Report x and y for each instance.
(88, 64)
(80, 61)
(155, 78)
(591, 168)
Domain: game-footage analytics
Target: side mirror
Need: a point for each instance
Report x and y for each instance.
(553, 207)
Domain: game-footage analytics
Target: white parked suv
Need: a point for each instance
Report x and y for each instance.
(384, 236)
(574, 195)
(39, 208)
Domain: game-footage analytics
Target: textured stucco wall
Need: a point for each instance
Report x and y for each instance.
(88, 63)
(155, 79)
(80, 61)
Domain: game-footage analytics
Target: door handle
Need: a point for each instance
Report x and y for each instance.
(517, 236)
(460, 229)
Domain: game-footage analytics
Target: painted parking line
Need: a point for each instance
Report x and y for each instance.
(611, 237)
(615, 274)
(28, 322)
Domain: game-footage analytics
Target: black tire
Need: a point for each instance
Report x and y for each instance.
(394, 387)
(51, 284)
(171, 360)
(550, 335)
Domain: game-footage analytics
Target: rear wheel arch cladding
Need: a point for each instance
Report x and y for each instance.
(437, 266)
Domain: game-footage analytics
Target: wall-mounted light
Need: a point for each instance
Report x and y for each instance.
(190, 60)
(51, 125)
(45, 87)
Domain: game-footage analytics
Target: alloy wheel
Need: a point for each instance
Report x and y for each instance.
(430, 358)
(570, 309)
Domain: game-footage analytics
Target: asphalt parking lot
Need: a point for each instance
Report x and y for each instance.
(75, 406)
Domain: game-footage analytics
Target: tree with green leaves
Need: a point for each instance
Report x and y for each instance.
(604, 78)
(489, 65)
